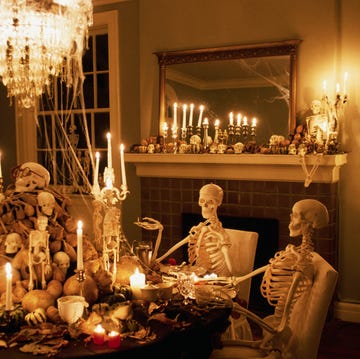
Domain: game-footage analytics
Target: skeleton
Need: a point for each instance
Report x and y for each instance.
(39, 253)
(30, 176)
(62, 260)
(208, 243)
(289, 274)
(46, 202)
(13, 243)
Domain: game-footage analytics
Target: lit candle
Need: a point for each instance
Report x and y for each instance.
(122, 163)
(324, 87)
(216, 125)
(191, 114)
(108, 135)
(96, 173)
(346, 75)
(80, 260)
(337, 88)
(137, 281)
(175, 115)
(98, 335)
(114, 339)
(165, 129)
(231, 119)
(200, 115)
(238, 123)
(8, 297)
(253, 123)
(184, 116)
(206, 121)
(245, 123)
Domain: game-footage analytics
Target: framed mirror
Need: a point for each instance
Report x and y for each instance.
(256, 81)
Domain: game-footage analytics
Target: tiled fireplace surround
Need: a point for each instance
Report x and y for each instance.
(254, 186)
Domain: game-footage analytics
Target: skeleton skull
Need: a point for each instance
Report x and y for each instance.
(13, 243)
(151, 148)
(292, 149)
(46, 202)
(238, 147)
(195, 142)
(210, 199)
(316, 107)
(62, 260)
(309, 212)
(30, 176)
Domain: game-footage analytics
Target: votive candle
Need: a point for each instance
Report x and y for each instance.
(114, 339)
(137, 281)
(98, 335)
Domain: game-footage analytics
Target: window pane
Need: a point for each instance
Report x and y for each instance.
(80, 129)
(103, 90)
(88, 88)
(44, 133)
(102, 58)
(102, 127)
(88, 64)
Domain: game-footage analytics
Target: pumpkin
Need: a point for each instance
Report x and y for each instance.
(90, 289)
(55, 288)
(37, 298)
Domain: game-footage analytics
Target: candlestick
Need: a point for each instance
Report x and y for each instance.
(80, 260)
(122, 163)
(137, 281)
(175, 114)
(184, 116)
(191, 114)
(200, 115)
(98, 335)
(108, 136)
(114, 339)
(8, 294)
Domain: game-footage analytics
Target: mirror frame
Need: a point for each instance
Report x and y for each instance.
(279, 48)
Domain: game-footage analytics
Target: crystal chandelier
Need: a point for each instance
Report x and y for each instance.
(40, 40)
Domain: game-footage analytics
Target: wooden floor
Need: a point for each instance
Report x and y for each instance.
(340, 340)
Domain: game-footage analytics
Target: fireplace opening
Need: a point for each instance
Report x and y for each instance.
(268, 245)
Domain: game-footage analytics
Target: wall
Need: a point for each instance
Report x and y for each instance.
(330, 46)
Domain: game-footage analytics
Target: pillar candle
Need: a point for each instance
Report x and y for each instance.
(137, 281)
(109, 150)
(200, 115)
(98, 335)
(122, 163)
(184, 116)
(8, 294)
(191, 114)
(79, 249)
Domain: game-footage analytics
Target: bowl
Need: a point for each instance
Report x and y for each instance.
(160, 291)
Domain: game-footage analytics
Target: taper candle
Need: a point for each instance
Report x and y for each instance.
(122, 163)
(79, 248)
(200, 115)
(191, 114)
(108, 135)
(96, 172)
(175, 115)
(8, 294)
(184, 116)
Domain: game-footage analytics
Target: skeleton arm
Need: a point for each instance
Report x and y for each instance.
(255, 272)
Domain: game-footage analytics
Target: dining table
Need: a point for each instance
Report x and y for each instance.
(174, 330)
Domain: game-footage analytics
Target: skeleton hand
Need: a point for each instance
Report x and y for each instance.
(149, 224)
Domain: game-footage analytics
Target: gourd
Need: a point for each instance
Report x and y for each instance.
(37, 298)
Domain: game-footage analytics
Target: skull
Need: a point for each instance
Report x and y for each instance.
(30, 176)
(183, 148)
(238, 147)
(46, 203)
(221, 148)
(214, 147)
(13, 243)
(307, 212)
(316, 107)
(151, 148)
(210, 199)
(62, 260)
(292, 149)
(195, 142)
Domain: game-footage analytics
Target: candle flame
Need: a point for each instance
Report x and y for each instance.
(97, 155)
(99, 329)
(80, 224)
(8, 270)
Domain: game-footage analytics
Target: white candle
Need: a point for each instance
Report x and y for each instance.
(191, 114)
(8, 297)
(79, 249)
(184, 116)
(137, 281)
(324, 87)
(216, 125)
(200, 115)
(165, 129)
(175, 115)
(231, 119)
(108, 135)
(337, 88)
(96, 173)
(206, 121)
(346, 75)
(238, 120)
(122, 163)
(245, 123)
(253, 123)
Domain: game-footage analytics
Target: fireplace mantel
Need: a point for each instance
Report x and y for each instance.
(255, 167)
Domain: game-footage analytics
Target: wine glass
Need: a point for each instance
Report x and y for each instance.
(185, 284)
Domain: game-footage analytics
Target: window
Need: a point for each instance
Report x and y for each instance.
(65, 131)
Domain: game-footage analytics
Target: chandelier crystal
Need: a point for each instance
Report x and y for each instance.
(40, 40)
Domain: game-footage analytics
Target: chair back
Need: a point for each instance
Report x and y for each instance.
(243, 250)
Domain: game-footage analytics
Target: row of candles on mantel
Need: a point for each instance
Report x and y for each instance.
(240, 120)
